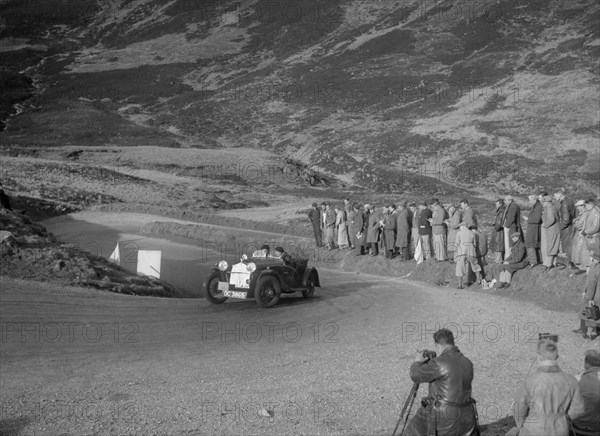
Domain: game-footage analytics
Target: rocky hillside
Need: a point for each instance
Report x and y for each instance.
(392, 95)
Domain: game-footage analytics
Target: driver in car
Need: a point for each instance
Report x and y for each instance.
(263, 252)
(281, 254)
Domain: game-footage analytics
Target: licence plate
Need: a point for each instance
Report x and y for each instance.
(235, 294)
(223, 286)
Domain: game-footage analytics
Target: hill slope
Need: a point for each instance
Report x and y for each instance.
(496, 95)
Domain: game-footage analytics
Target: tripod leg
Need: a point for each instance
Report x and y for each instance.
(409, 400)
(412, 401)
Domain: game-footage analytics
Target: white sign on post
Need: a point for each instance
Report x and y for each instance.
(149, 263)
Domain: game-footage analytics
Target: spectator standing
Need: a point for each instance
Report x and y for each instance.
(323, 219)
(591, 226)
(389, 231)
(550, 233)
(466, 255)
(580, 255)
(533, 235)
(468, 214)
(566, 209)
(373, 227)
(403, 226)
(438, 230)
(511, 222)
(314, 215)
(341, 226)
(425, 215)
(356, 225)
(498, 232)
(414, 231)
(330, 218)
(588, 424)
(453, 224)
(546, 397)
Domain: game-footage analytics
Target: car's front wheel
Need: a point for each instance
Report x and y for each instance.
(267, 291)
(213, 294)
(310, 287)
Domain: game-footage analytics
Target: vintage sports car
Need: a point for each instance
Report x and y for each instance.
(263, 279)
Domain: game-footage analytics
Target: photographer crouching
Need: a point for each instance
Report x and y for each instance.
(449, 408)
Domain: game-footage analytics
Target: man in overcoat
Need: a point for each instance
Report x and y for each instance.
(438, 231)
(373, 228)
(550, 233)
(389, 230)
(498, 232)
(403, 225)
(533, 235)
(356, 225)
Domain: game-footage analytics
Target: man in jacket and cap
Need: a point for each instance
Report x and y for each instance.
(314, 215)
(533, 235)
(547, 398)
(356, 227)
(373, 228)
(550, 233)
(403, 226)
(466, 254)
(449, 408)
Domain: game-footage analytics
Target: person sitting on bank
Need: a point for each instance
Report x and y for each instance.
(263, 252)
(514, 262)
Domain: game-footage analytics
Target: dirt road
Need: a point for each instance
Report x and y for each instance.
(79, 361)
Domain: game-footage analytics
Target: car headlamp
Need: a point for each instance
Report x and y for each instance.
(223, 265)
(251, 267)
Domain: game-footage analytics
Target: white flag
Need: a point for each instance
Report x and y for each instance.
(116, 255)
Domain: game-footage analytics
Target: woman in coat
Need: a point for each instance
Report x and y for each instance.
(533, 235)
(453, 223)
(514, 262)
(550, 233)
(342, 228)
(497, 239)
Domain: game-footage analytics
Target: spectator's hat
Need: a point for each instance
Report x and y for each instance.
(279, 249)
(314, 205)
(580, 203)
(367, 206)
(546, 198)
(508, 197)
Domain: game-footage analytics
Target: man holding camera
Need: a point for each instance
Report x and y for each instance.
(449, 408)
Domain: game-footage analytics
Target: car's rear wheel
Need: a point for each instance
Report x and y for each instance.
(310, 287)
(267, 291)
(213, 294)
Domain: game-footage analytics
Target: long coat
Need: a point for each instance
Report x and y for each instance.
(314, 215)
(469, 217)
(551, 222)
(533, 235)
(437, 223)
(497, 241)
(543, 399)
(389, 230)
(373, 228)
(356, 225)
(579, 251)
(512, 218)
(453, 227)
(403, 218)
(340, 222)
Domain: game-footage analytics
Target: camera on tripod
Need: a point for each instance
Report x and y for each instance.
(428, 354)
(550, 336)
